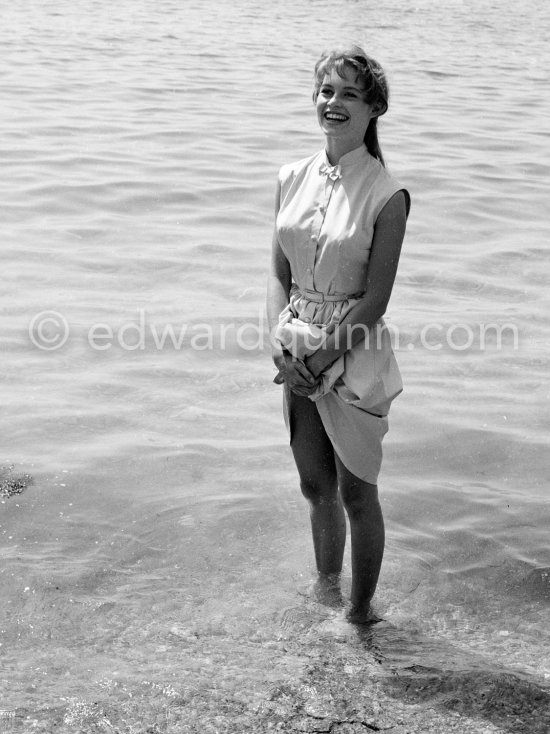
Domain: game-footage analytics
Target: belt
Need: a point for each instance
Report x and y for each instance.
(318, 297)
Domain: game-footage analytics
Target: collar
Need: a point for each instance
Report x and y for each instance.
(358, 155)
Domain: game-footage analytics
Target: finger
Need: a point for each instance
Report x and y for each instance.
(279, 378)
(295, 379)
(304, 391)
(304, 372)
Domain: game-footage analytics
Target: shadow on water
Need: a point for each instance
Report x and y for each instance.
(380, 677)
(450, 680)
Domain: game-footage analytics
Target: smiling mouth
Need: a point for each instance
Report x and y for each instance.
(335, 117)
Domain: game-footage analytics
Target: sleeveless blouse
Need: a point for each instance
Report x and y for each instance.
(325, 227)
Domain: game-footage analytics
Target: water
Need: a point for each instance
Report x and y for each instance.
(156, 574)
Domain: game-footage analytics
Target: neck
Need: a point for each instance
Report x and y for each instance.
(336, 148)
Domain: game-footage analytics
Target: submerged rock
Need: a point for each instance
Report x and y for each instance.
(11, 484)
(538, 580)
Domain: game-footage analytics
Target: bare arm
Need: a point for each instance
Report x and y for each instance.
(279, 281)
(388, 236)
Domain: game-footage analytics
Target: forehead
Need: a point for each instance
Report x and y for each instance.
(348, 77)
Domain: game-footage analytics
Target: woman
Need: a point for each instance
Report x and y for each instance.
(340, 222)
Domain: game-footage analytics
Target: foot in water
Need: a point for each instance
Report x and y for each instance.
(363, 615)
(326, 590)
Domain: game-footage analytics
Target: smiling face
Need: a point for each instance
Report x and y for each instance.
(342, 111)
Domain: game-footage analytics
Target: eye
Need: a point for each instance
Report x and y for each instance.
(325, 91)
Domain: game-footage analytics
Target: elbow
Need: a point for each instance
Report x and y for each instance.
(381, 309)
(376, 310)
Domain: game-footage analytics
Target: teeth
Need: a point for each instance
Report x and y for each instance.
(335, 116)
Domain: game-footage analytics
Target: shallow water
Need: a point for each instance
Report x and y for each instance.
(157, 573)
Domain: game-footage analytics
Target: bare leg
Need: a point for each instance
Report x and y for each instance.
(315, 461)
(367, 541)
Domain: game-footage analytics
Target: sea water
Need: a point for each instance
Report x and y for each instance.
(156, 574)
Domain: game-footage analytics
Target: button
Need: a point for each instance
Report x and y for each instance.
(313, 237)
(306, 320)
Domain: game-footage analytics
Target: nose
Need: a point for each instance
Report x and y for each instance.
(335, 98)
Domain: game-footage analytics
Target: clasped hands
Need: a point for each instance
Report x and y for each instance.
(299, 376)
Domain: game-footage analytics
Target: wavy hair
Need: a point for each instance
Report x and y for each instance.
(371, 77)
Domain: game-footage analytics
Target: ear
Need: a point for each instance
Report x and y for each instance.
(379, 108)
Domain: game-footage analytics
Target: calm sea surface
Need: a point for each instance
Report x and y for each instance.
(155, 577)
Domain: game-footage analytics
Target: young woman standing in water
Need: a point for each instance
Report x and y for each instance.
(340, 222)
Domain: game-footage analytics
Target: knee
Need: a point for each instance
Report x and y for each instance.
(360, 499)
(319, 490)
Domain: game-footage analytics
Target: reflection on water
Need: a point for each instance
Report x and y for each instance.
(157, 576)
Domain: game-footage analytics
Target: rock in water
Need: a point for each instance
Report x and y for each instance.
(11, 484)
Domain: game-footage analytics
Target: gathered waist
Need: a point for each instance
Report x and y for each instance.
(318, 297)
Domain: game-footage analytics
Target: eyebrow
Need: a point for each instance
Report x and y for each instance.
(355, 89)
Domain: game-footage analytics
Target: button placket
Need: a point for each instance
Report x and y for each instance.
(322, 213)
(310, 258)
(331, 176)
(316, 223)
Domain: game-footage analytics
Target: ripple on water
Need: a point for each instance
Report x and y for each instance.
(157, 585)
